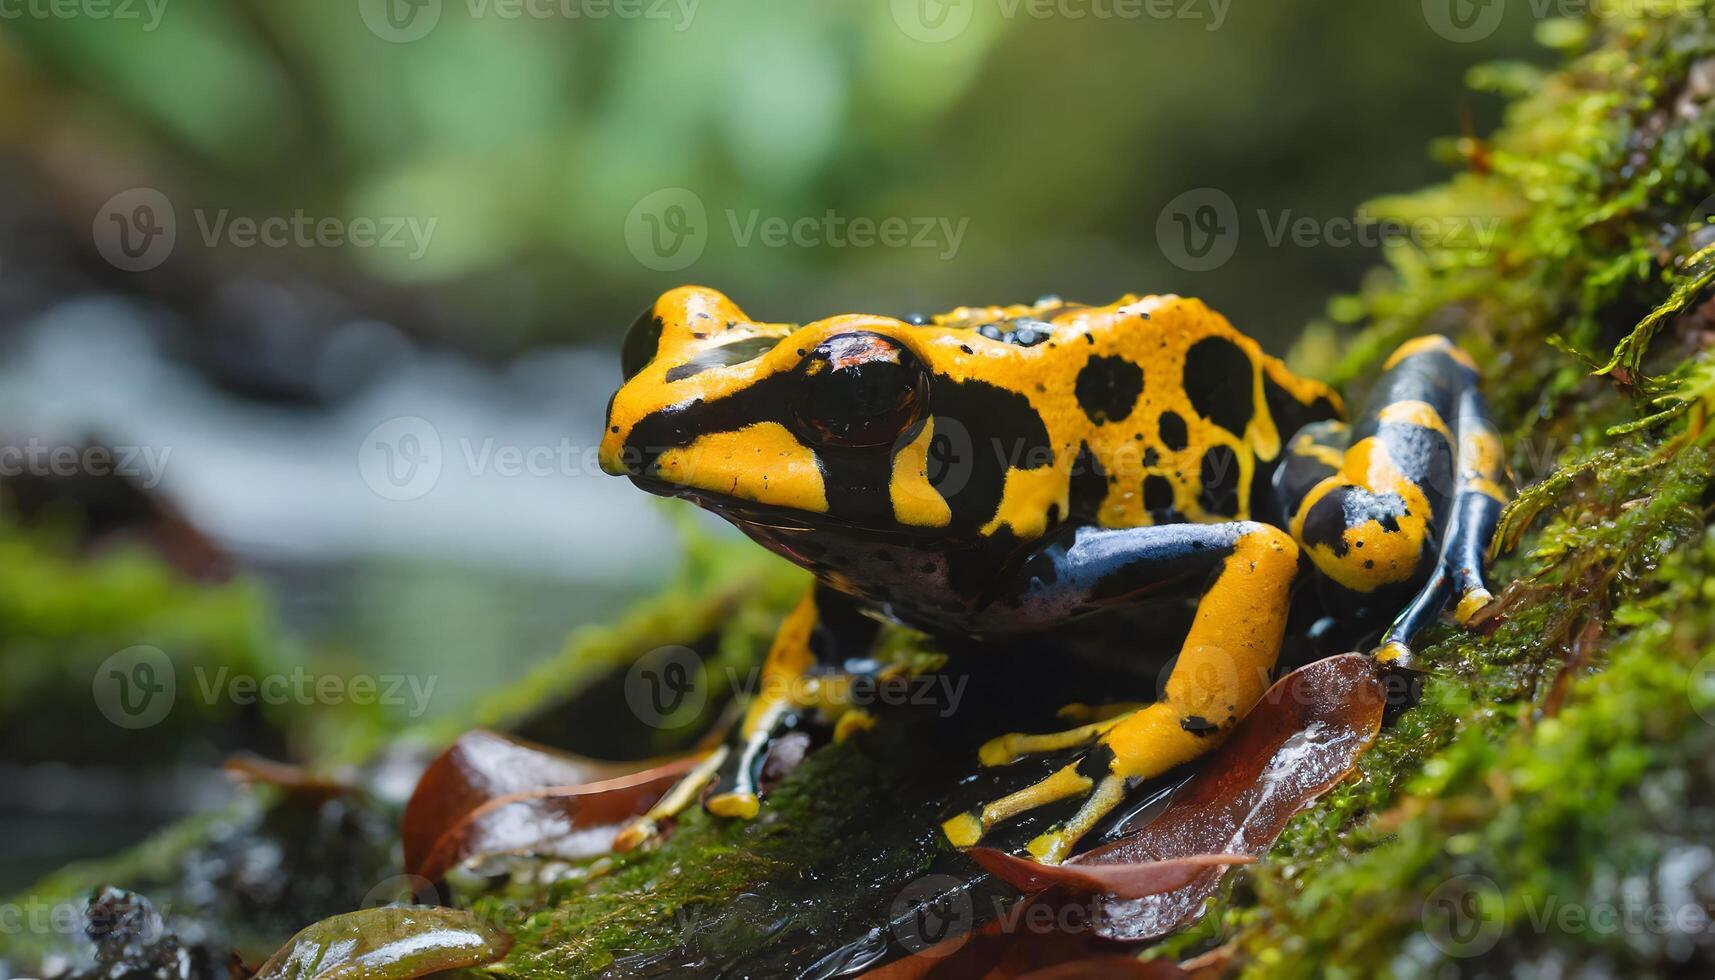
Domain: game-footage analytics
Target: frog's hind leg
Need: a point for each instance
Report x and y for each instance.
(1482, 490)
(1245, 570)
(1409, 497)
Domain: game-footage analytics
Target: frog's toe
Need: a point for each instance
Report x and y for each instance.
(1052, 847)
(1008, 748)
(648, 827)
(1474, 601)
(738, 804)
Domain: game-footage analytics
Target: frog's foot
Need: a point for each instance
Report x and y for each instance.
(648, 826)
(1101, 794)
(772, 742)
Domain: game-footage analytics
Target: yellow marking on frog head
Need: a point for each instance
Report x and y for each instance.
(916, 502)
(764, 463)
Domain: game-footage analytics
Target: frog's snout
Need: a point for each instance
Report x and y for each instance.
(612, 456)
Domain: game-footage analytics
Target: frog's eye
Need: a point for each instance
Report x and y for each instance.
(641, 343)
(860, 389)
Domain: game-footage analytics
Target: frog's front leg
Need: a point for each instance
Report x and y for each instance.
(816, 660)
(1245, 572)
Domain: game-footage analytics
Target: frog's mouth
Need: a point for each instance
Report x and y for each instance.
(748, 514)
(735, 509)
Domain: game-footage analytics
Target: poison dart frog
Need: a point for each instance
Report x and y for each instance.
(1053, 469)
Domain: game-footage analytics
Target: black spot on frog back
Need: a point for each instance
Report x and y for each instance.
(1107, 388)
(1219, 379)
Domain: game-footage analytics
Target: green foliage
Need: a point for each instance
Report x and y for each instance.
(1519, 813)
(62, 616)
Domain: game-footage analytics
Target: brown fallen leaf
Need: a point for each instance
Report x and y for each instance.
(1301, 740)
(255, 770)
(1298, 742)
(483, 766)
(565, 822)
(1118, 880)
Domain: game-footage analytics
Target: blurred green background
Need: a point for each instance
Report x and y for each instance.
(535, 174)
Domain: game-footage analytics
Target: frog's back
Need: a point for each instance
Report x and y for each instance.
(1158, 409)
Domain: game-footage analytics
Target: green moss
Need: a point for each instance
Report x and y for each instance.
(1521, 786)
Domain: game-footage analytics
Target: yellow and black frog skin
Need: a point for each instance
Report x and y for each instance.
(1046, 470)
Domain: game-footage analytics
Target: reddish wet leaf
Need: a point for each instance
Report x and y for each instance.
(1297, 743)
(1302, 739)
(565, 822)
(482, 766)
(1083, 917)
(1118, 880)
(490, 794)
(296, 780)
